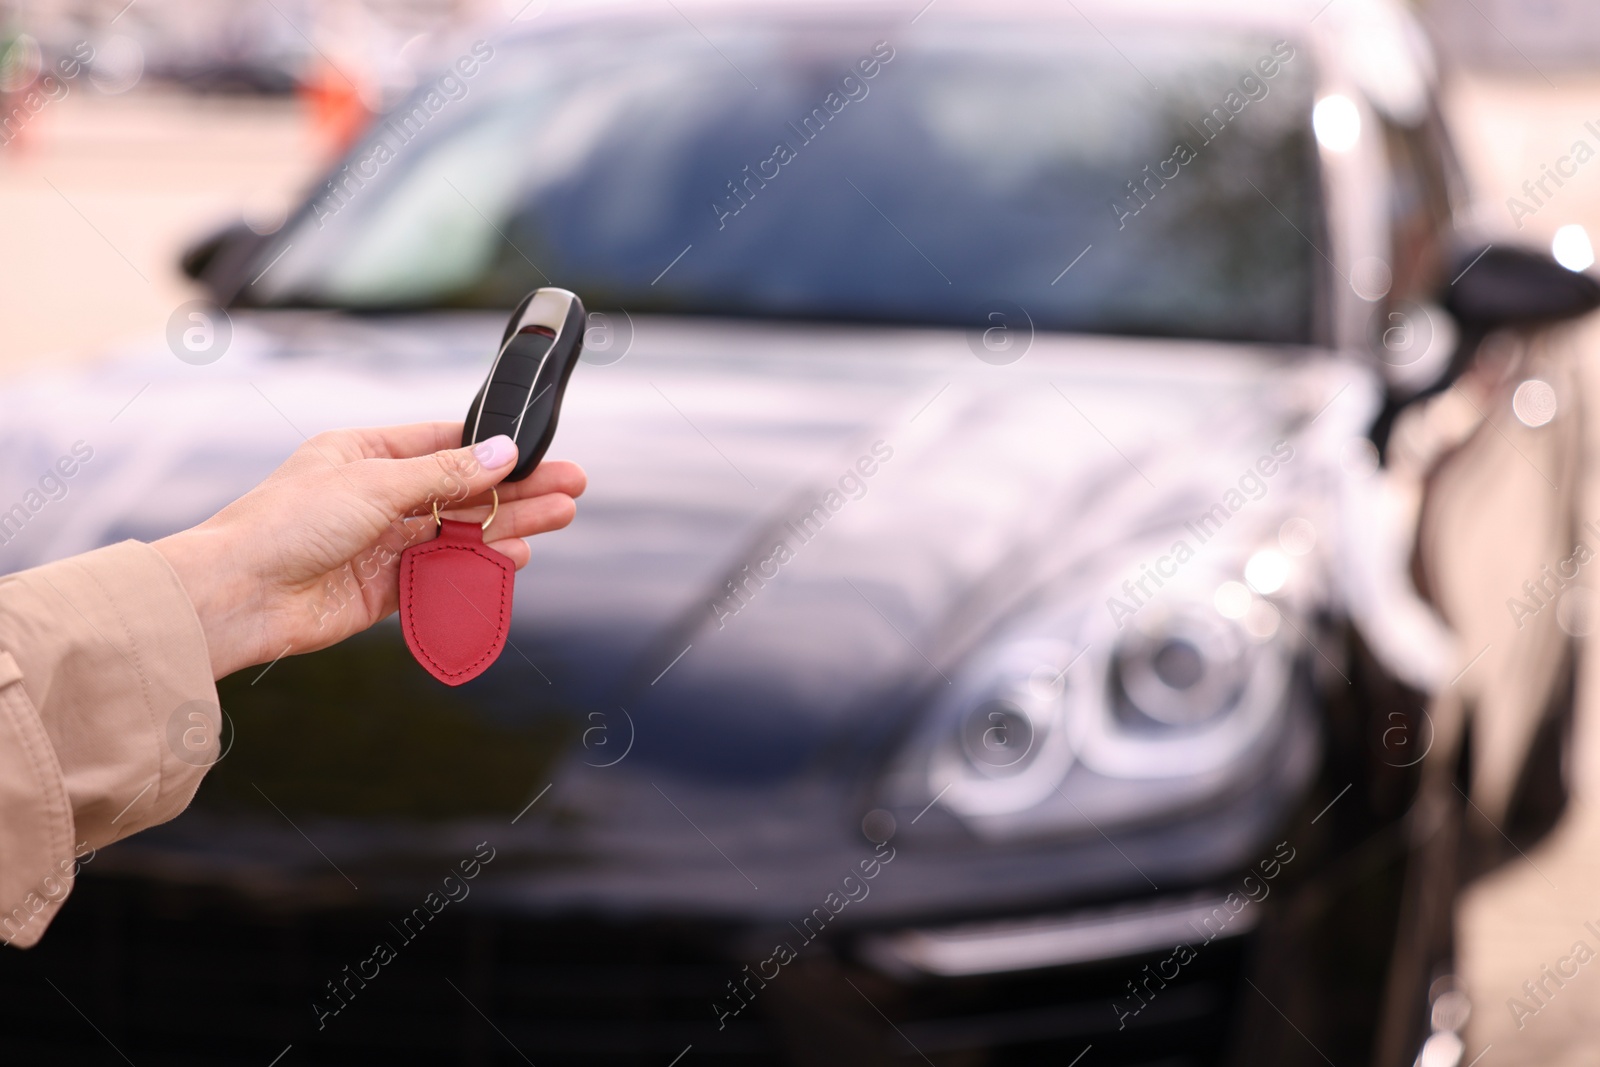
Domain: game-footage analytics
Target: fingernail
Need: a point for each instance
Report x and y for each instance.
(496, 452)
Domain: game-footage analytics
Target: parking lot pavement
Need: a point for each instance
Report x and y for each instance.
(100, 194)
(1530, 914)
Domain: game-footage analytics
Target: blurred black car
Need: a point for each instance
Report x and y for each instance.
(990, 636)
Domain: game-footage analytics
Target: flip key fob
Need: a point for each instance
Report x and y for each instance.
(522, 397)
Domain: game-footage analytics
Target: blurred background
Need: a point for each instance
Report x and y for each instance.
(189, 115)
(194, 114)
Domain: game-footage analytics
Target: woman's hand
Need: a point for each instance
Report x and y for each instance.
(311, 555)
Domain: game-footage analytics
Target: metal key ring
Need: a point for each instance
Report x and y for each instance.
(438, 523)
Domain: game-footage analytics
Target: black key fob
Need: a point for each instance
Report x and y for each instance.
(522, 397)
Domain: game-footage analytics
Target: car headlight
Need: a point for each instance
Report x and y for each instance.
(1182, 693)
(1189, 670)
(1007, 744)
(998, 738)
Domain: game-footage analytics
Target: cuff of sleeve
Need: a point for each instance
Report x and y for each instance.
(113, 657)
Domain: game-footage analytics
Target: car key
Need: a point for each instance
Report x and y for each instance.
(522, 396)
(455, 591)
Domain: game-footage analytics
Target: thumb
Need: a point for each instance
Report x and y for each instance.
(446, 477)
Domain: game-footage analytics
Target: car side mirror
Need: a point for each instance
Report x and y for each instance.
(1497, 286)
(217, 259)
(1494, 287)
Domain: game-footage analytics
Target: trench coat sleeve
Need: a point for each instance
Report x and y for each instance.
(108, 718)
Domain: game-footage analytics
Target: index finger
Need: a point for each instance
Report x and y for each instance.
(407, 441)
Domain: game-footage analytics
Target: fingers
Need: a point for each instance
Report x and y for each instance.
(405, 442)
(405, 486)
(334, 448)
(551, 476)
(522, 518)
(515, 548)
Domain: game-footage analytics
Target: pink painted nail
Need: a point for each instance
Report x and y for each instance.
(496, 452)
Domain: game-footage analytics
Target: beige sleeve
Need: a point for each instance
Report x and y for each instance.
(108, 718)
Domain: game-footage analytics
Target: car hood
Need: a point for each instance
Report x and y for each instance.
(794, 534)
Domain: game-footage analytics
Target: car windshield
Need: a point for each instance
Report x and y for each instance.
(1163, 185)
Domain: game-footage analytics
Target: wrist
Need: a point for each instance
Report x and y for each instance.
(203, 571)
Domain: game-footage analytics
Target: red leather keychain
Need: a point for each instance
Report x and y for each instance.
(455, 600)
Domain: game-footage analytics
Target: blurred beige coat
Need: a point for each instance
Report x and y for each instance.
(102, 665)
